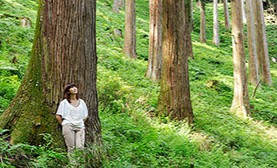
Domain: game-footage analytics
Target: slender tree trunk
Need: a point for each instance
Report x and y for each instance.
(191, 14)
(243, 12)
(261, 43)
(64, 50)
(240, 104)
(174, 100)
(203, 38)
(215, 28)
(117, 4)
(155, 41)
(189, 22)
(226, 14)
(251, 39)
(130, 29)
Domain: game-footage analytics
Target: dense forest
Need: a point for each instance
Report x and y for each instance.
(167, 83)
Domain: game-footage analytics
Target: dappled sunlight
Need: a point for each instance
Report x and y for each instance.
(205, 46)
(265, 131)
(13, 3)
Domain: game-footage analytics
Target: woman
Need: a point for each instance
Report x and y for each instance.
(71, 114)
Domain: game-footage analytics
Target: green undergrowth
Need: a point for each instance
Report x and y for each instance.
(134, 136)
(15, 45)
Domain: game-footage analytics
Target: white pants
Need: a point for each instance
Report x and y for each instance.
(74, 137)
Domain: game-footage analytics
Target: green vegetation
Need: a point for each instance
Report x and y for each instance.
(133, 136)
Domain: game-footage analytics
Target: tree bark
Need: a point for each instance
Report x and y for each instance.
(251, 41)
(226, 14)
(155, 41)
(203, 37)
(130, 29)
(174, 99)
(261, 43)
(64, 50)
(188, 24)
(215, 21)
(240, 104)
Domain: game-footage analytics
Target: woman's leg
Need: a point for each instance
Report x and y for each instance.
(69, 137)
(80, 138)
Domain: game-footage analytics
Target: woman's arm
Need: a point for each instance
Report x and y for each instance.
(59, 118)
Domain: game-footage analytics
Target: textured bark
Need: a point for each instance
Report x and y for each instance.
(261, 43)
(240, 104)
(174, 99)
(215, 21)
(64, 51)
(226, 14)
(251, 41)
(155, 41)
(203, 37)
(130, 29)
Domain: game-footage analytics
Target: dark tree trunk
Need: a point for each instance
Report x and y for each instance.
(64, 51)
(240, 104)
(155, 41)
(174, 100)
(130, 29)
(188, 24)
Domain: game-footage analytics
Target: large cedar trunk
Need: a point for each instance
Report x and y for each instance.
(251, 41)
(203, 38)
(215, 21)
(240, 104)
(226, 14)
(261, 43)
(64, 51)
(130, 29)
(174, 100)
(155, 40)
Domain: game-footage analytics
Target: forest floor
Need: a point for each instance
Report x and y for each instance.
(133, 136)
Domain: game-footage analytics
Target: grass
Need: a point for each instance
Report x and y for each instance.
(132, 135)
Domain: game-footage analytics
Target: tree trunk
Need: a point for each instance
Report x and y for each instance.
(226, 14)
(64, 50)
(191, 14)
(251, 38)
(188, 29)
(174, 99)
(215, 28)
(155, 41)
(117, 4)
(243, 12)
(240, 104)
(130, 29)
(203, 37)
(261, 43)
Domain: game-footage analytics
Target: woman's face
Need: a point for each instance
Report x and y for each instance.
(73, 90)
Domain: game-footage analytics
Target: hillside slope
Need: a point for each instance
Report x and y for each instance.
(133, 135)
